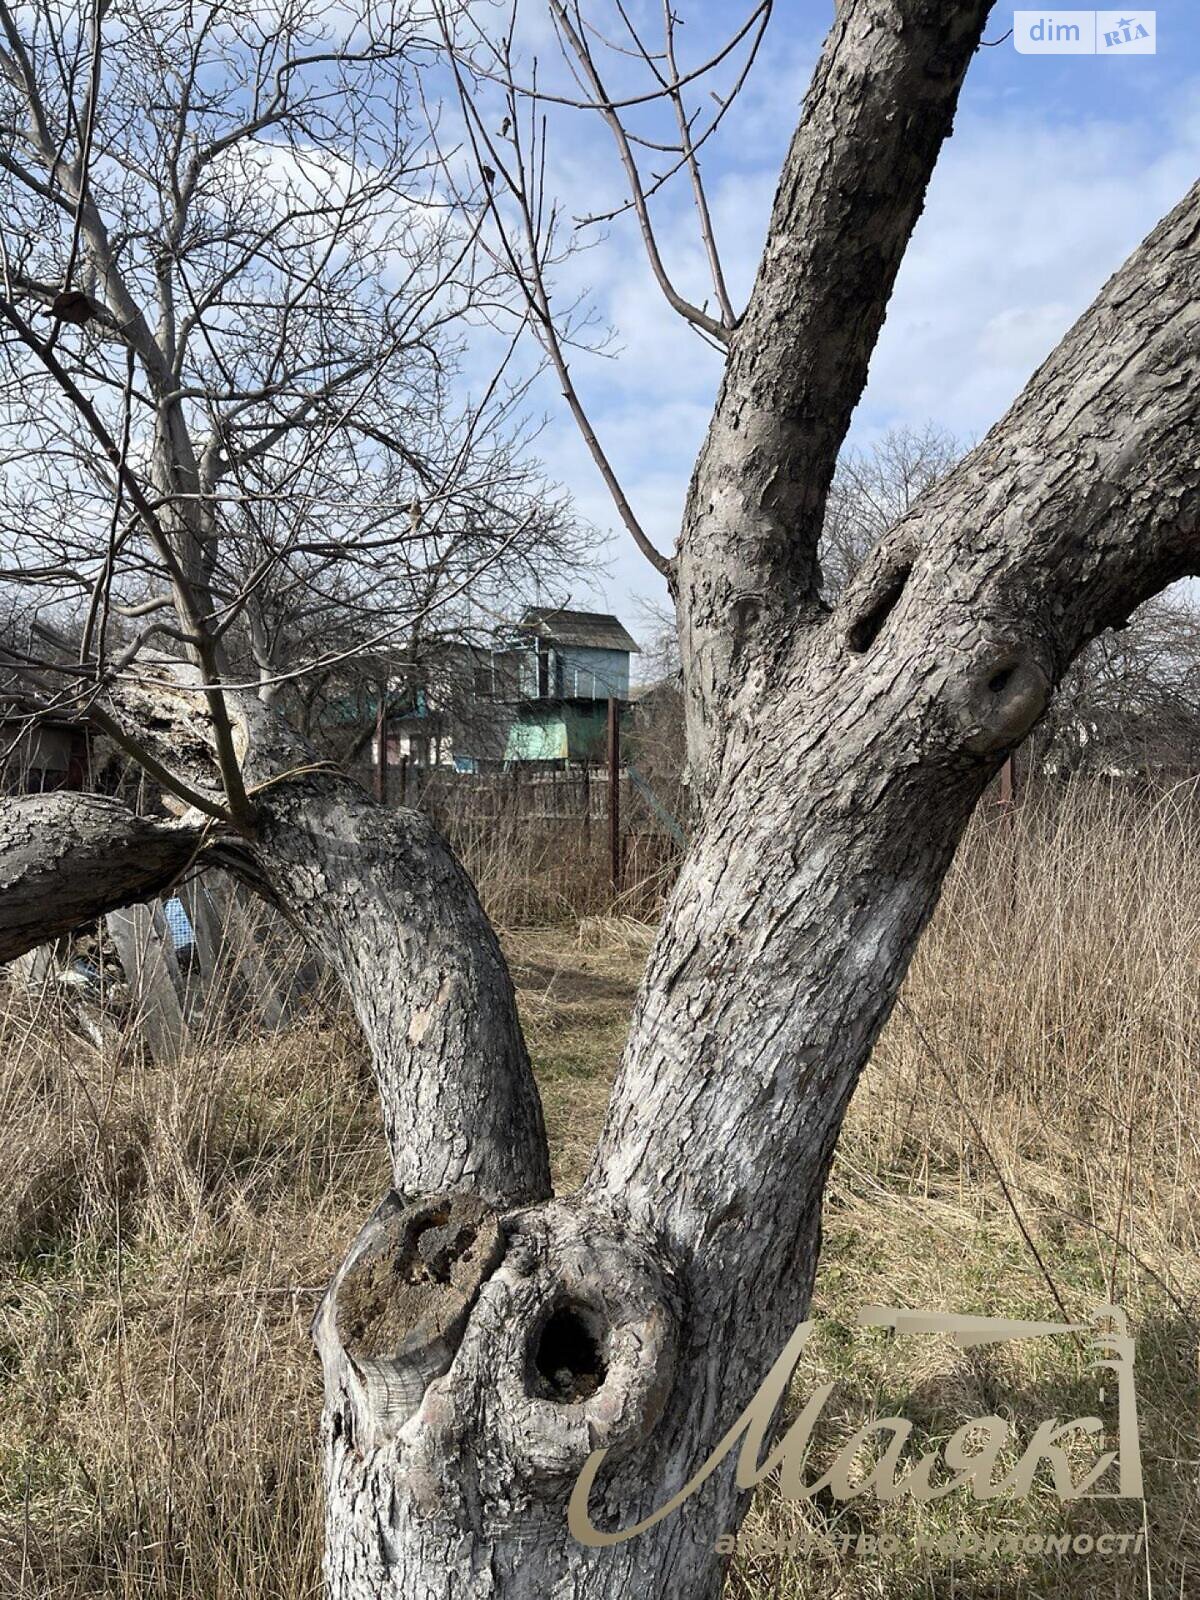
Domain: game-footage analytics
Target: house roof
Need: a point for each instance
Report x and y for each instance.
(590, 630)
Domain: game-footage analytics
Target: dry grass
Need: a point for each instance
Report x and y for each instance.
(533, 870)
(156, 1436)
(1043, 1064)
(162, 1234)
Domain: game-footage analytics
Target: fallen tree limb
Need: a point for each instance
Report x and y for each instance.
(66, 859)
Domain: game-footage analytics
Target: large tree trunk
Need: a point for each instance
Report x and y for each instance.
(482, 1341)
(834, 808)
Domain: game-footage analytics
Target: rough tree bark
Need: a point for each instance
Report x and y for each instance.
(482, 1340)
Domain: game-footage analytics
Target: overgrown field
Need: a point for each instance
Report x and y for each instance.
(1025, 1143)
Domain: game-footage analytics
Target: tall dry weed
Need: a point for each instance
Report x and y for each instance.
(164, 1231)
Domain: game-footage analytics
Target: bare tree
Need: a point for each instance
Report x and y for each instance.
(872, 489)
(484, 1341)
(232, 316)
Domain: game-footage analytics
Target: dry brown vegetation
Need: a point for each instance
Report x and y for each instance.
(535, 870)
(164, 1234)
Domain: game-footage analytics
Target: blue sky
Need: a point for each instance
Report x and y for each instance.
(1057, 168)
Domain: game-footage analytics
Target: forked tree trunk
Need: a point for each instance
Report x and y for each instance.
(672, 1281)
(835, 803)
(482, 1341)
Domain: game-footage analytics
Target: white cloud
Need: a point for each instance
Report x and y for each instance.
(1027, 218)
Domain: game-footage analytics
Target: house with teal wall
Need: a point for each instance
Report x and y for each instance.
(570, 664)
(536, 695)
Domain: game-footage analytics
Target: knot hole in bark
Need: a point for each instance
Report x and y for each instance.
(1004, 698)
(879, 603)
(568, 1357)
(745, 612)
(575, 1338)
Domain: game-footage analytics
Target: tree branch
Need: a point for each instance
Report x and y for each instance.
(707, 232)
(66, 859)
(1082, 502)
(529, 276)
(844, 790)
(849, 197)
(195, 625)
(713, 326)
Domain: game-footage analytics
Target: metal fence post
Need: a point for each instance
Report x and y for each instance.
(614, 792)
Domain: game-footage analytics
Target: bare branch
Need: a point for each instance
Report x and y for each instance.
(195, 625)
(718, 330)
(728, 316)
(528, 273)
